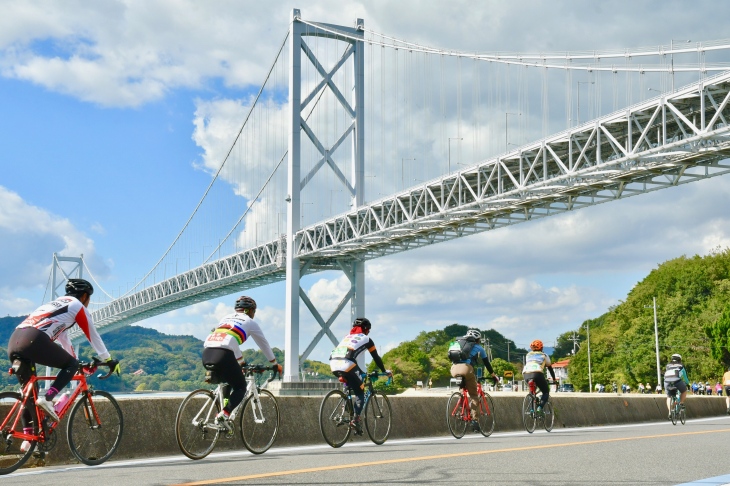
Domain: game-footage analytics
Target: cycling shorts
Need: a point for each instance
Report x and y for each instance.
(673, 386)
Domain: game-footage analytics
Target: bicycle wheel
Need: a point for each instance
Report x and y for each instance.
(528, 413)
(260, 422)
(195, 428)
(674, 414)
(682, 415)
(335, 414)
(378, 417)
(455, 410)
(95, 427)
(486, 415)
(11, 457)
(548, 416)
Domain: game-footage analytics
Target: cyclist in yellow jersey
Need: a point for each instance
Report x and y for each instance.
(343, 363)
(535, 363)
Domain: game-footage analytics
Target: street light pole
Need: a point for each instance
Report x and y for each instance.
(656, 344)
(450, 139)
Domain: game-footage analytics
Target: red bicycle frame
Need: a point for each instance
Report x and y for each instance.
(463, 405)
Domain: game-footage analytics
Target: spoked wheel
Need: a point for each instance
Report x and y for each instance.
(455, 410)
(528, 413)
(682, 414)
(335, 414)
(674, 412)
(95, 427)
(260, 422)
(11, 455)
(195, 428)
(486, 417)
(378, 417)
(548, 416)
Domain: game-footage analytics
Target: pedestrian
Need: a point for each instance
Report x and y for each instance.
(641, 388)
(708, 387)
(718, 389)
(694, 388)
(430, 383)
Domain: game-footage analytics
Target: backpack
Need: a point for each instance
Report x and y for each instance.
(460, 349)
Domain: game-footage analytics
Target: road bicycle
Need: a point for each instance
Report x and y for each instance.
(531, 416)
(676, 410)
(337, 411)
(458, 411)
(197, 431)
(94, 428)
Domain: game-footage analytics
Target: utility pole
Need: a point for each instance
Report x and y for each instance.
(508, 351)
(575, 340)
(489, 350)
(590, 378)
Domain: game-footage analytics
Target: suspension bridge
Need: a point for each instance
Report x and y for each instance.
(359, 145)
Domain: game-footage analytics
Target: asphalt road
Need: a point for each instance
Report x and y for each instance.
(657, 453)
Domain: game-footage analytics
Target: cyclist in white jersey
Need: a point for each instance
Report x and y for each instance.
(33, 341)
(343, 363)
(222, 353)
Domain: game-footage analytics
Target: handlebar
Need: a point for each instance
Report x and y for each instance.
(250, 369)
(377, 374)
(88, 368)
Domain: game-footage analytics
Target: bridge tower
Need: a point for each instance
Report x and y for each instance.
(295, 268)
(59, 276)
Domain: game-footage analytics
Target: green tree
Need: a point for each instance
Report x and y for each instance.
(719, 333)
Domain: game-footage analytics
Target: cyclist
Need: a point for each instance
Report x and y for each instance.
(343, 363)
(222, 354)
(675, 378)
(535, 363)
(33, 341)
(465, 368)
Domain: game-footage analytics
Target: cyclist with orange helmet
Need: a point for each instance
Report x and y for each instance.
(535, 363)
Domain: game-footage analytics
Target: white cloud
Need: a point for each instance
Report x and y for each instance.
(30, 235)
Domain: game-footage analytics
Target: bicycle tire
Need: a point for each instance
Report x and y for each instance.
(95, 427)
(682, 415)
(335, 414)
(259, 435)
(454, 415)
(11, 457)
(196, 438)
(378, 417)
(528, 413)
(674, 411)
(486, 415)
(548, 416)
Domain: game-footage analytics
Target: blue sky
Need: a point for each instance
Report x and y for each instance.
(100, 156)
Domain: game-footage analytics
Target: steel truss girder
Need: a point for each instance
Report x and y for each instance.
(657, 144)
(646, 147)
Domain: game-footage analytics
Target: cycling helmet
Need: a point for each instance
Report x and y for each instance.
(677, 358)
(536, 345)
(244, 302)
(362, 323)
(474, 333)
(78, 286)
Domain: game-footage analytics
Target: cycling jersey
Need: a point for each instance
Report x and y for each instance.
(536, 361)
(233, 330)
(55, 318)
(344, 356)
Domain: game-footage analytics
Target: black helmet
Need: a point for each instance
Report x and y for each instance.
(363, 323)
(78, 286)
(244, 302)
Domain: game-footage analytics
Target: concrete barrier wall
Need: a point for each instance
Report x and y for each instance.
(149, 423)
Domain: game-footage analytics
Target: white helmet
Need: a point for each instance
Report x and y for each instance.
(474, 333)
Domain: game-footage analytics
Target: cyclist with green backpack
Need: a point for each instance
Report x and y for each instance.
(464, 353)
